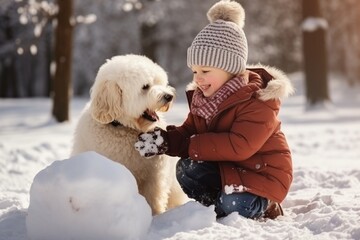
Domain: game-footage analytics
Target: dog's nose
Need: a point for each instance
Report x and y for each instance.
(168, 97)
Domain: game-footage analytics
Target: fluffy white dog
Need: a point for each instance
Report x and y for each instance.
(127, 98)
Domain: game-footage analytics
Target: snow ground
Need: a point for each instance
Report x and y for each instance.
(323, 202)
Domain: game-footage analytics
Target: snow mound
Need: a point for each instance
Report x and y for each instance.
(86, 197)
(185, 218)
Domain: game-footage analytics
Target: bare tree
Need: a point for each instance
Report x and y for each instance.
(63, 59)
(315, 57)
(25, 47)
(148, 40)
(8, 79)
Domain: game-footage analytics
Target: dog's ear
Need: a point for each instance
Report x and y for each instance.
(106, 101)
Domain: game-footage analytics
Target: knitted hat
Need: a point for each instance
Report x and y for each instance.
(222, 43)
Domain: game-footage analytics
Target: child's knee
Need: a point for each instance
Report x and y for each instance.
(182, 173)
(180, 169)
(185, 167)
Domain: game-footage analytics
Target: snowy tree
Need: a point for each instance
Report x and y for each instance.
(63, 60)
(162, 30)
(62, 89)
(25, 35)
(344, 37)
(7, 48)
(149, 29)
(315, 56)
(273, 32)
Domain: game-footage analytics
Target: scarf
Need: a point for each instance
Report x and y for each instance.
(207, 107)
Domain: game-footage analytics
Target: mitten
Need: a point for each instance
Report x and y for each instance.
(151, 143)
(178, 143)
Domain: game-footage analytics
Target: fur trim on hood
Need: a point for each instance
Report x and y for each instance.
(279, 87)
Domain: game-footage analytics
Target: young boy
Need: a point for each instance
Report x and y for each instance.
(233, 153)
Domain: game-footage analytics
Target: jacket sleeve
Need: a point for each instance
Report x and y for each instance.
(250, 130)
(178, 138)
(187, 129)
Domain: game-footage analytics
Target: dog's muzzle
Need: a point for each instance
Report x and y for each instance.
(168, 97)
(166, 100)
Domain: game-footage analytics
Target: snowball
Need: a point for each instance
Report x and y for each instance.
(86, 197)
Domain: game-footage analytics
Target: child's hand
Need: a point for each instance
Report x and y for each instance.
(151, 143)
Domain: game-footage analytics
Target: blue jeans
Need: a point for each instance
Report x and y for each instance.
(202, 182)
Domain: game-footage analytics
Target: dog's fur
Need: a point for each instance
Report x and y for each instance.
(127, 97)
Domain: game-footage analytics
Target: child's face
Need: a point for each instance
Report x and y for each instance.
(209, 79)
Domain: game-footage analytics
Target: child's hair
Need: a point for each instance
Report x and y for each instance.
(222, 43)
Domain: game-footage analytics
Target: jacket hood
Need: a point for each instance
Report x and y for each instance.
(277, 84)
(277, 87)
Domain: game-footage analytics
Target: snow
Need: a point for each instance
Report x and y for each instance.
(229, 189)
(86, 197)
(323, 202)
(311, 24)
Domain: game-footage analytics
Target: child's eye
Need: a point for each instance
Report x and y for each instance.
(202, 71)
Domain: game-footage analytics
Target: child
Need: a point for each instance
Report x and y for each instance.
(233, 153)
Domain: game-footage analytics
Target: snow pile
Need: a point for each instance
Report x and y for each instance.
(86, 197)
(188, 217)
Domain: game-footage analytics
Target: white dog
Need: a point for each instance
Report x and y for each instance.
(127, 97)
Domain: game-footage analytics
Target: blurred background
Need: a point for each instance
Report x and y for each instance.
(34, 40)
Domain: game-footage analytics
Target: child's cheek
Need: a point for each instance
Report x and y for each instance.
(211, 79)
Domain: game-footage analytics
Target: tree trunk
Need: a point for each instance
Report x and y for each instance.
(63, 59)
(315, 57)
(148, 35)
(352, 53)
(9, 85)
(148, 40)
(8, 79)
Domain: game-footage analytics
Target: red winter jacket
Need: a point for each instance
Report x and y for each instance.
(245, 137)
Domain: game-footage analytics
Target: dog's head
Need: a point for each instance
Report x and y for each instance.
(132, 90)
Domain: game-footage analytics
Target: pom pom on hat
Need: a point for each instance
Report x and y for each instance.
(228, 11)
(222, 43)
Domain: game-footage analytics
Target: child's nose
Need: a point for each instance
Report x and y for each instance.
(199, 78)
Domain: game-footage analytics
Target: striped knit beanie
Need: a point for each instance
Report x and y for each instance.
(222, 43)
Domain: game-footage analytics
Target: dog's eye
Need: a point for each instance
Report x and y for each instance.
(146, 87)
